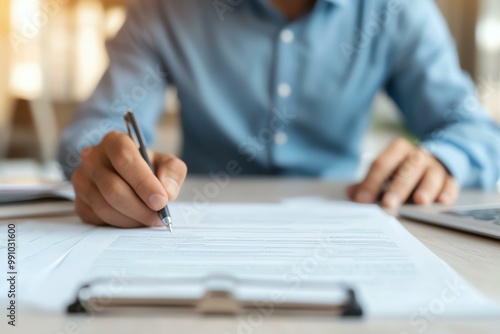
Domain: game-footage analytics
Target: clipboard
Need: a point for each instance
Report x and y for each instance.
(219, 295)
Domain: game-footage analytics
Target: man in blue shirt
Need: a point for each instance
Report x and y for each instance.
(279, 87)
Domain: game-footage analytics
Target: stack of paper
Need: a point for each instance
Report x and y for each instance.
(25, 180)
(290, 243)
(23, 190)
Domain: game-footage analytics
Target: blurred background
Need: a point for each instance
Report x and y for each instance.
(52, 56)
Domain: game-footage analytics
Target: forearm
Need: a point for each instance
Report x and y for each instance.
(85, 130)
(135, 79)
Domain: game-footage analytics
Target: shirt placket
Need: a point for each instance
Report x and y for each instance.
(282, 91)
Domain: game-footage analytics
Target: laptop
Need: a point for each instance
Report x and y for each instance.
(482, 219)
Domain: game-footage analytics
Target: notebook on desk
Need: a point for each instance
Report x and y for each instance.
(36, 208)
(29, 198)
(19, 190)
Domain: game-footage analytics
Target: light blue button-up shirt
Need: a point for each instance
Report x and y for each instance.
(261, 95)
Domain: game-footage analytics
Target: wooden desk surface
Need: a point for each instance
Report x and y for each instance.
(476, 258)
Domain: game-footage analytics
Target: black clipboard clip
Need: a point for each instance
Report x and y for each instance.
(219, 295)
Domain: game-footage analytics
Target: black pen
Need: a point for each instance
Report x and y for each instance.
(134, 131)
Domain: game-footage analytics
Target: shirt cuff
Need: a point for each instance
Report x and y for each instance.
(454, 159)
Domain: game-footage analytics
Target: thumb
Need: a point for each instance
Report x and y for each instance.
(171, 171)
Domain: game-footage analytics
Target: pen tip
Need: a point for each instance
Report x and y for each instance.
(167, 221)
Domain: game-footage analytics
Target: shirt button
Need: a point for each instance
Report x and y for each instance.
(280, 138)
(284, 90)
(287, 36)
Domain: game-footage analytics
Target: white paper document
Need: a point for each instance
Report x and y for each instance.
(39, 238)
(293, 243)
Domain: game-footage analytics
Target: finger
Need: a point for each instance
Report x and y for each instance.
(106, 213)
(129, 164)
(450, 191)
(81, 185)
(430, 186)
(406, 178)
(171, 172)
(381, 169)
(87, 191)
(85, 213)
(351, 191)
(121, 197)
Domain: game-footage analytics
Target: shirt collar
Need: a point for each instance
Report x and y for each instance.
(341, 3)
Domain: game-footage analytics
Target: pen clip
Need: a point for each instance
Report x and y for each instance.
(217, 296)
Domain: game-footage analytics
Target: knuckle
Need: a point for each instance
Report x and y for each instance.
(436, 171)
(397, 186)
(418, 157)
(79, 183)
(122, 157)
(101, 208)
(140, 183)
(84, 162)
(180, 166)
(79, 208)
(409, 166)
(400, 179)
(367, 186)
(85, 215)
(401, 142)
(75, 178)
(94, 201)
(86, 152)
(435, 163)
(111, 192)
(112, 137)
(88, 163)
(379, 164)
